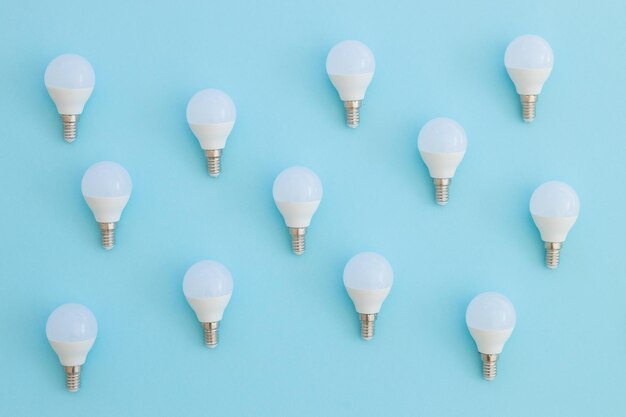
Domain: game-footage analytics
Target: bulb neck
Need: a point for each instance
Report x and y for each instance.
(214, 161)
(210, 330)
(72, 377)
(107, 233)
(297, 239)
(489, 365)
(368, 322)
(553, 254)
(69, 126)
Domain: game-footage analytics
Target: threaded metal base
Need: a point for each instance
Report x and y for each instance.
(72, 378)
(442, 186)
(69, 126)
(553, 254)
(529, 102)
(352, 112)
(297, 239)
(489, 365)
(210, 333)
(368, 322)
(107, 232)
(214, 161)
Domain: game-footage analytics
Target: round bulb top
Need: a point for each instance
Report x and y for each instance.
(297, 185)
(106, 179)
(442, 135)
(211, 106)
(490, 311)
(207, 279)
(71, 323)
(554, 199)
(69, 71)
(350, 58)
(368, 271)
(529, 52)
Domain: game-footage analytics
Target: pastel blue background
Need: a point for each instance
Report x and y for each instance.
(289, 339)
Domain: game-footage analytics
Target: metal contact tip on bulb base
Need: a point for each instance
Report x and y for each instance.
(72, 378)
(553, 254)
(352, 112)
(368, 322)
(442, 186)
(297, 239)
(107, 232)
(210, 333)
(214, 161)
(69, 126)
(489, 365)
(529, 102)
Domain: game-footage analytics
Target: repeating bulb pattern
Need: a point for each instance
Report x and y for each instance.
(297, 191)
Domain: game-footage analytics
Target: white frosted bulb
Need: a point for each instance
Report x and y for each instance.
(554, 207)
(106, 187)
(70, 79)
(529, 60)
(368, 278)
(71, 330)
(350, 66)
(490, 318)
(211, 116)
(297, 193)
(208, 286)
(442, 143)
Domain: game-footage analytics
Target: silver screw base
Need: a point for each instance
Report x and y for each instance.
(489, 365)
(553, 254)
(214, 161)
(297, 239)
(352, 112)
(210, 333)
(69, 126)
(529, 102)
(368, 322)
(72, 378)
(107, 232)
(442, 186)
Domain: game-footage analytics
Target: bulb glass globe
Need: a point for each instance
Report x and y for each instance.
(71, 323)
(211, 106)
(442, 135)
(368, 271)
(207, 279)
(350, 57)
(555, 199)
(69, 71)
(297, 185)
(529, 52)
(106, 179)
(490, 311)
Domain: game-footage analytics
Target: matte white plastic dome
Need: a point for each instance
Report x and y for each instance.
(442, 135)
(554, 199)
(211, 106)
(206, 279)
(350, 57)
(490, 311)
(528, 52)
(106, 179)
(71, 323)
(368, 271)
(297, 185)
(69, 71)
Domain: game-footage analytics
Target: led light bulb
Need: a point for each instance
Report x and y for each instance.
(528, 60)
(442, 143)
(211, 116)
(297, 193)
(71, 330)
(554, 207)
(350, 66)
(106, 187)
(208, 287)
(70, 80)
(368, 278)
(490, 318)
